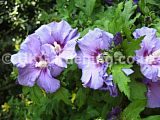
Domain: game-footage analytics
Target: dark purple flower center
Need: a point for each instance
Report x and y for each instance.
(103, 57)
(57, 47)
(41, 62)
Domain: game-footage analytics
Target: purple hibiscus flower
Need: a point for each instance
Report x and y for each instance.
(153, 89)
(44, 54)
(91, 60)
(148, 56)
(62, 37)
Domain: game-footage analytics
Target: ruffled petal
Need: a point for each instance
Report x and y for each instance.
(153, 94)
(91, 77)
(59, 62)
(144, 31)
(47, 82)
(31, 45)
(109, 85)
(86, 76)
(95, 40)
(21, 59)
(80, 60)
(28, 75)
(44, 33)
(68, 51)
(73, 35)
(48, 51)
(149, 72)
(55, 70)
(60, 31)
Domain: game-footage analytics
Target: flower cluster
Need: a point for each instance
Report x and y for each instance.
(44, 54)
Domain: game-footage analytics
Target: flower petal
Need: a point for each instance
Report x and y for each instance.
(59, 62)
(144, 31)
(60, 31)
(73, 35)
(47, 82)
(55, 70)
(21, 59)
(149, 72)
(95, 40)
(31, 45)
(48, 51)
(44, 33)
(28, 75)
(91, 77)
(153, 94)
(68, 51)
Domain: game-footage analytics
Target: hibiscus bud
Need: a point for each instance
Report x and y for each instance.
(118, 38)
(114, 113)
(109, 2)
(135, 1)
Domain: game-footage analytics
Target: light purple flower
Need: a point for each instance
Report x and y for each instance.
(91, 60)
(153, 90)
(62, 37)
(44, 54)
(148, 56)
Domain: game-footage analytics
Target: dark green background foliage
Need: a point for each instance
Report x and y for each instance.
(19, 18)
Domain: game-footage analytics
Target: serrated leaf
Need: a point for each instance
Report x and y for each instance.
(132, 111)
(121, 79)
(138, 91)
(122, 18)
(131, 47)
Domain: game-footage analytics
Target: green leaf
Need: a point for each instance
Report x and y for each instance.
(25, 90)
(86, 6)
(121, 79)
(129, 48)
(155, 117)
(91, 113)
(81, 97)
(138, 90)
(37, 95)
(122, 18)
(80, 4)
(89, 6)
(132, 111)
(62, 95)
